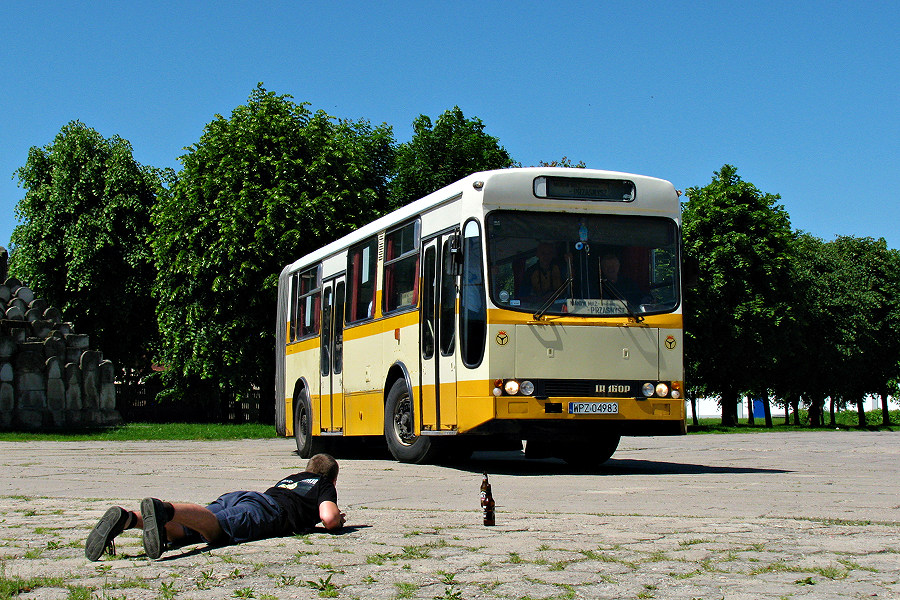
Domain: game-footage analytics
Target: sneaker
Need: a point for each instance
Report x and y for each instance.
(101, 537)
(154, 513)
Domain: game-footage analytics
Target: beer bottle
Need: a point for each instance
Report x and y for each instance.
(487, 501)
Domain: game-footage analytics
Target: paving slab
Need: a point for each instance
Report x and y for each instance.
(787, 515)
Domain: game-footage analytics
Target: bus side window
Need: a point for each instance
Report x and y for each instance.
(337, 361)
(472, 309)
(327, 308)
(306, 305)
(447, 303)
(401, 267)
(429, 281)
(361, 267)
(295, 307)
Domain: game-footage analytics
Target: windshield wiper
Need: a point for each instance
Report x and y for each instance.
(546, 306)
(618, 294)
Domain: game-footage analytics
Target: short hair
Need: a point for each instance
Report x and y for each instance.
(323, 465)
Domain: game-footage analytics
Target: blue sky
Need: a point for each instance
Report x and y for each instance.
(803, 97)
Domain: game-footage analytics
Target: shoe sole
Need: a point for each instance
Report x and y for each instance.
(153, 513)
(102, 533)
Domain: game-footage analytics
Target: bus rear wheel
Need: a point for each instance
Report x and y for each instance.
(399, 427)
(306, 444)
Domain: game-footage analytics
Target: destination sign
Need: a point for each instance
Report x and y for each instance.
(582, 188)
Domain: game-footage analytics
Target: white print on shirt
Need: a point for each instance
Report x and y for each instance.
(304, 484)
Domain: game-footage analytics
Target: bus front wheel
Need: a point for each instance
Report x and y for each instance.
(399, 427)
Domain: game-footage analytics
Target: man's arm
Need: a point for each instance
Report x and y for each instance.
(330, 515)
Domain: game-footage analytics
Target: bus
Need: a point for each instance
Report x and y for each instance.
(526, 305)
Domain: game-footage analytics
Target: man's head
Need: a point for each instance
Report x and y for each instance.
(609, 266)
(545, 253)
(323, 465)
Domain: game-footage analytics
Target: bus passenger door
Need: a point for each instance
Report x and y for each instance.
(331, 400)
(438, 338)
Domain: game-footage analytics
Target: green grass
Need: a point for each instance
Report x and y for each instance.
(150, 431)
(846, 420)
(12, 587)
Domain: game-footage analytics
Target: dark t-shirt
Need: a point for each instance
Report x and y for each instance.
(299, 496)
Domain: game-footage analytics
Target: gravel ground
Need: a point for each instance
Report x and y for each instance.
(690, 517)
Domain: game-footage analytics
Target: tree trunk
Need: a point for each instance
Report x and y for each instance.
(861, 411)
(729, 408)
(767, 408)
(795, 407)
(816, 411)
(750, 415)
(885, 413)
(694, 411)
(832, 410)
(812, 414)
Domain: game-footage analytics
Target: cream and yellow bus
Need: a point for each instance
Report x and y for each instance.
(536, 304)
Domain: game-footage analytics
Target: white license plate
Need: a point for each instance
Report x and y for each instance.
(593, 408)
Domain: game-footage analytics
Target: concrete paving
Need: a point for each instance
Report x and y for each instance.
(771, 515)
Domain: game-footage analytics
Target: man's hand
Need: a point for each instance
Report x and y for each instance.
(331, 516)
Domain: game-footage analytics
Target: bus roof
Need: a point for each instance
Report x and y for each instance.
(501, 183)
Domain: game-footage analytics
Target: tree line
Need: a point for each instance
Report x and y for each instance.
(778, 313)
(180, 269)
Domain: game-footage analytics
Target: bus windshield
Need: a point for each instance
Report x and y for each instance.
(581, 264)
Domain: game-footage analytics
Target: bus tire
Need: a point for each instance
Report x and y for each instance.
(588, 454)
(306, 443)
(399, 427)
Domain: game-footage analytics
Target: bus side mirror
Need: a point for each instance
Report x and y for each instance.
(455, 266)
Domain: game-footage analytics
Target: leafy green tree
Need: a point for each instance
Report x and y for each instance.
(439, 154)
(82, 240)
(563, 162)
(260, 189)
(872, 342)
(823, 313)
(736, 314)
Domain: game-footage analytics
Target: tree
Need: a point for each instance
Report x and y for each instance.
(82, 240)
(844, 314)
(736, 314)
(260, 189)
(823, 312)
(563, 162)
(440, 154)
(872, 352)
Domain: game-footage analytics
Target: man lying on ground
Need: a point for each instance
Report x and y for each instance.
(293, 505)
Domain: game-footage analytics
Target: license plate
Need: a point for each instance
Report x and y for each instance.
(593, 408)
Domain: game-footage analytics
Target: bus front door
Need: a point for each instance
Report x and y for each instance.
(438, 338)
(331, 399)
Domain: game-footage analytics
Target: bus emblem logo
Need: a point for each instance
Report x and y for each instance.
(670, 342)
(502, 338)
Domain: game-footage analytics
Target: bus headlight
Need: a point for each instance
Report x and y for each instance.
(647, 389)
(511, 387)
(526, 388)
(662, 390)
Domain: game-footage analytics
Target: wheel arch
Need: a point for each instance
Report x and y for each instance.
(397, 371)
(300, 386)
